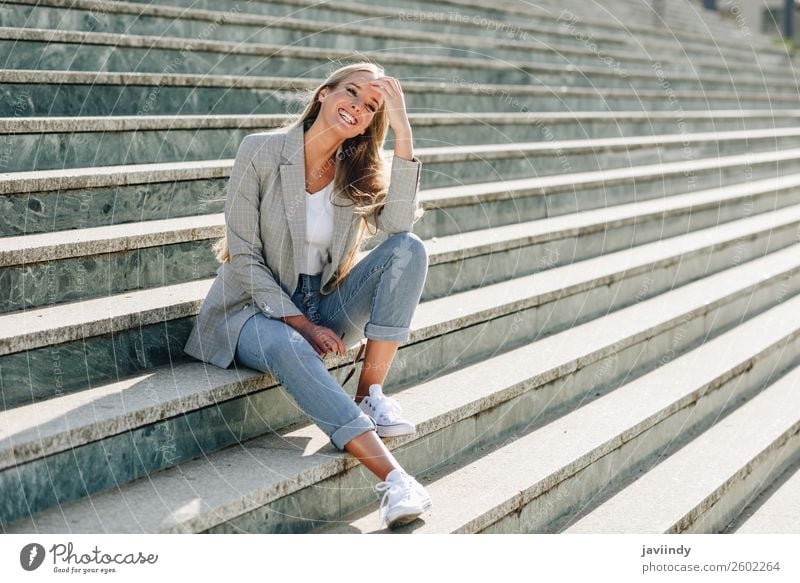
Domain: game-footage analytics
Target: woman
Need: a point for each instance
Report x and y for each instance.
(288, 291)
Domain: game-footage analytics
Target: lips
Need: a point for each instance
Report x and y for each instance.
(347, 117)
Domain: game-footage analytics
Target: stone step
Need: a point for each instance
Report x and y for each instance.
(60, 93)
(554, 30)
(546, 473)
(775, 510)
(739, 455)
(43, 49)
(48, 143)
(67, 266)
(597, 189)
(264, 485)
(597, 22)
(577, 21)
(452, 165)
(689, 15)
(52, 200)
(237, 23)
(446, 334)
(104, 337)
(677, 17)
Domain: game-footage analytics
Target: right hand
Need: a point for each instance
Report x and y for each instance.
(323, 340)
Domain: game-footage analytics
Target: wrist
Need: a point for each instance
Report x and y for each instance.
(299, 322)
(403, 132)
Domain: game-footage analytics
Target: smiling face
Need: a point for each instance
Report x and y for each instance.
(350, 107)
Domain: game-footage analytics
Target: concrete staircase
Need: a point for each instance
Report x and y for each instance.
(610, 316)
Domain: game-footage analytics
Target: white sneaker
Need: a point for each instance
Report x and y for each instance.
(385, 412)
(403, 501)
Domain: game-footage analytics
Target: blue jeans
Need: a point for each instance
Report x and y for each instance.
(376, 299)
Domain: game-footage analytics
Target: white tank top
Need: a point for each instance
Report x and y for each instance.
(319, 231)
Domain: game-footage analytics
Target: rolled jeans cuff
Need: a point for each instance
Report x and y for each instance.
(351, 430)
(389, 333)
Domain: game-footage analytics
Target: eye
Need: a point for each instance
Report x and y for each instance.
(352, 91)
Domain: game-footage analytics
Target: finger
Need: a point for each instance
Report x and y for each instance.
(324, 346)
(338, 345)
(331, 345)
(333, 341)
(383, 84)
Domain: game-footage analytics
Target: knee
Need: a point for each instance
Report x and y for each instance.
(408, 250)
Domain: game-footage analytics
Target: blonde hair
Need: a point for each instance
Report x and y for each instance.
(361, 168)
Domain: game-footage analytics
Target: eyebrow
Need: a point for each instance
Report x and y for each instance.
(374, 101)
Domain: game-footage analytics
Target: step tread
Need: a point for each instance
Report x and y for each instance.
(481, 492)
(35, 328)
(22, 249)
(120, 40)
(198, 80)
(120, 175)
(198, 494)
(780, 513)
(22, 438)
(19, 125)
(506, 236)
(607, 176)
(59, 323)
(723, 452)
(480, 151)
(384, 32)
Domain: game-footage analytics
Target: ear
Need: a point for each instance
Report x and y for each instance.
(323, 93)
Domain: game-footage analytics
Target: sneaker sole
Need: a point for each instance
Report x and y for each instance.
(409, 516)
(384, 431)
(404, 519)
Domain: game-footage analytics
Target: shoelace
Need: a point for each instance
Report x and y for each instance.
(388, 487)
(388, 410)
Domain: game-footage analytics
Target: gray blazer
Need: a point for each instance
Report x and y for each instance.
(265, 217)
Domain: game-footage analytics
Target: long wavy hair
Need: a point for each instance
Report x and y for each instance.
(362, 171)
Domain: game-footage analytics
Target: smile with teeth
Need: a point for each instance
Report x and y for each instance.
(347, 117)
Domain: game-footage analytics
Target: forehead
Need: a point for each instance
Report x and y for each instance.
(360, 79)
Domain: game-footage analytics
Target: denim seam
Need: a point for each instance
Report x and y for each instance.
(380, 267)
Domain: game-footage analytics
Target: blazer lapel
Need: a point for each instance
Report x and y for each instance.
(342, 215)
(293, 181)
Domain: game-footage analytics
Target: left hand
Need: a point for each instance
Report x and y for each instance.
(394, 102)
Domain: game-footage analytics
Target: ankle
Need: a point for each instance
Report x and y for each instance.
(395, 474)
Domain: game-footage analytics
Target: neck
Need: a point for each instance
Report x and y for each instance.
(320, 144)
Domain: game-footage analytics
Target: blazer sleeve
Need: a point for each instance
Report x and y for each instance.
(402, 208)
(244, 236)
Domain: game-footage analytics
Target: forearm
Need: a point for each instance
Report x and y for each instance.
(403, 143)
(401, 207)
